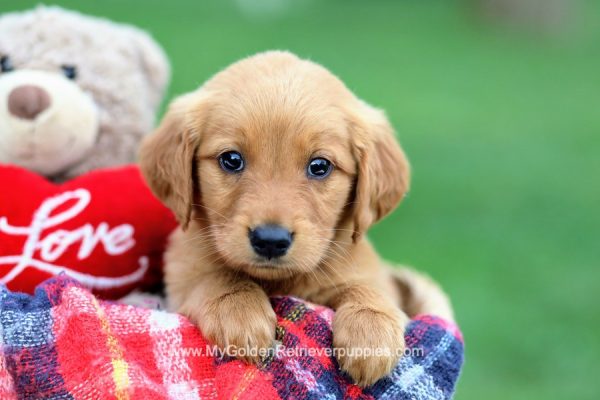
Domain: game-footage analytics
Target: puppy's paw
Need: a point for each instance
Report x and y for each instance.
(368, 342)
(241, 324)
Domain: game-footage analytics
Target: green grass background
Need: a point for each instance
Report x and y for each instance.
(503, 130)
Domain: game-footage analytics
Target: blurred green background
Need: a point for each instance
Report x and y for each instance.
(497, 104)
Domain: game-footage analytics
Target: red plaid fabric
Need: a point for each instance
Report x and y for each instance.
(65, 343)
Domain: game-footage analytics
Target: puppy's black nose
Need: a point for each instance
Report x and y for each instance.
(270, 241)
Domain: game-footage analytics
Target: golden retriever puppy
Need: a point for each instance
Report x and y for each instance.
(275, 170)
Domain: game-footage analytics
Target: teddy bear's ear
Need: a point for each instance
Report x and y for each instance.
(168, 156)
(153, 62)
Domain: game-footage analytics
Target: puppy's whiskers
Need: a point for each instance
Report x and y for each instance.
(203, 233)
(343, 253)
(340, 253)
(327, 268)
(211, 209)
(326, 274)
(343, 230)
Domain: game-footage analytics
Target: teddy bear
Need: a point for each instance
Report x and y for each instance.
(77, 93)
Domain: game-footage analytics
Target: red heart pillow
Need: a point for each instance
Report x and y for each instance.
(105, 229)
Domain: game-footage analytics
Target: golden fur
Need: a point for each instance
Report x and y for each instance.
(280, 111)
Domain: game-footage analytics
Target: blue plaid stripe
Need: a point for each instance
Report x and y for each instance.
(28, 345)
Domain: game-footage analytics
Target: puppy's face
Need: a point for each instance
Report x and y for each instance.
(270, 158)
(274, 181)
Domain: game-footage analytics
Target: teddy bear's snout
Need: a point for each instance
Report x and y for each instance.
(28, 101)
(47, 122)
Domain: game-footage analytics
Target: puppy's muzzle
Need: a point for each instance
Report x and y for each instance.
(270, 241)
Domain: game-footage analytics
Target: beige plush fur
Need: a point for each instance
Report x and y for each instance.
(93, 121)
(279, 112)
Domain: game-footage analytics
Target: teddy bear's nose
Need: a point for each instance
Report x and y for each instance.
(28, 101)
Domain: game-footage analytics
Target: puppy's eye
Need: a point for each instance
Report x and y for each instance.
(319, 168)
(5, 64)
(231, 161)
(70, 71)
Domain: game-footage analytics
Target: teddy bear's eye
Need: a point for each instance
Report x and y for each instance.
(70, 71)
(5, 64)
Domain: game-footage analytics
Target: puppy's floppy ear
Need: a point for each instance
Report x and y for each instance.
(383, 176)
(167, 157)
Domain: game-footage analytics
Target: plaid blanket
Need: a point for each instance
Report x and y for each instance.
(63, 343)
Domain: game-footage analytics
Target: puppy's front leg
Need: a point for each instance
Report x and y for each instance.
(368, 332)
(232, 312)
